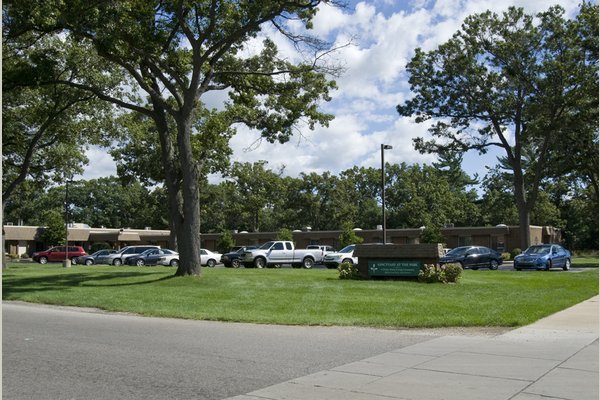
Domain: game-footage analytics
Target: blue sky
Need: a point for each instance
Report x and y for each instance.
(384, 35)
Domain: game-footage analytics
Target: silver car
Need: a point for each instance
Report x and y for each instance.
(333, 260)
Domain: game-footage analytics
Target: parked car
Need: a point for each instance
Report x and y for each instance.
(333, 260)
(473, 257)
(155, 257)
(544, 257)
(324, 248)
(209, 258)
(276, 253)
(98, 257)
(233, 258)
(59, 253)
(122, 255)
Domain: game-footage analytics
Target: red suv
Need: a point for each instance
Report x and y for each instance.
(59, 253)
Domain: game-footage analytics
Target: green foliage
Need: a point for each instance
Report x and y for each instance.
(225, 242)
(531, 77)
(291, 296)
(515, 252)
(47, 125)
(285, 234)
(447, 273)
(506, 256)
(349, 236)
(431, 234)
(451, 273)
(348, 271)
(54, 232)
(429, 274)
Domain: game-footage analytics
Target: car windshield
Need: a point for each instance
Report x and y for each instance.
(98, 253)
(123, 250)
(147, 252)
(459, 251)
(266, 246)
(347, 249)
(538, 250)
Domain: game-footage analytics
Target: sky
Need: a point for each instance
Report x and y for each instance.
(384, 35)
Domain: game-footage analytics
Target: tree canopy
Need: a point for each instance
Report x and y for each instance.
(176, 52)
(519, 82)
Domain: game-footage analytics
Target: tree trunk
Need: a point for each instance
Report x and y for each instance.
(172, 175)
(522, 208)
(188, 234)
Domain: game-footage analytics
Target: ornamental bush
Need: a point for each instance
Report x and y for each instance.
(515, 252)
(348, 271)
(450, 273)
(505, 256)
(447, 273)
(429, 274)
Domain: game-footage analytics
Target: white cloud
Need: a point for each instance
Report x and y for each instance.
(100, 164)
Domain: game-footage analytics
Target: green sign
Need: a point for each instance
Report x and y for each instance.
(394, 268)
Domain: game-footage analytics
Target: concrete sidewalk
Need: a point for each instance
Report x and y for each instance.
(554, 358)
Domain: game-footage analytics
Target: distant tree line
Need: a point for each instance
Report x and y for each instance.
(253, 197)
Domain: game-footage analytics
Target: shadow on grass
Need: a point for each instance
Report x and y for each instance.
(61, 282)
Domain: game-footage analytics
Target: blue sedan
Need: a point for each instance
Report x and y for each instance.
(544, 257)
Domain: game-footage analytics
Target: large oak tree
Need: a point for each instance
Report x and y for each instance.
(518, 82)
(178, 51)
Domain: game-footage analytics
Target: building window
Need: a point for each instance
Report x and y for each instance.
(465, 240)
(497, 243)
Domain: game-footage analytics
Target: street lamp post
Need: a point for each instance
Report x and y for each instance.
(67, 262)
(383, 148)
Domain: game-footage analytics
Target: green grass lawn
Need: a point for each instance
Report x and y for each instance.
(304, 297)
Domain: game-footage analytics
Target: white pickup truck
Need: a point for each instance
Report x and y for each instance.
(273, 254)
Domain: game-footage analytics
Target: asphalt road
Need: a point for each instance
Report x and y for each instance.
(64, 353)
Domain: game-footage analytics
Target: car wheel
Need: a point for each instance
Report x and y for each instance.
(493, 265)
(308, 263)
(276, 265)
(567, 265)
(260, 262)
(43, 260)
(235, 263)
(117, 262)
(548, 266)
(348, 260)
(211, 263)
(139, 263)
(518, 269)
(89, 262)
(74, 261)
(174, 263)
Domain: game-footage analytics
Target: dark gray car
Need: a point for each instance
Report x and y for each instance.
(473, 257)
(98, 257)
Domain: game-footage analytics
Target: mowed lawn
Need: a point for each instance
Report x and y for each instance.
(304, 297)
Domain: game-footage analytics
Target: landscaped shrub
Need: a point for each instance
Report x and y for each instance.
(447, 273)
(429, 273)
(24, 255)
(505, 256)
(450, 273)
(13, 256)
(515, 252)
(348, 271)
